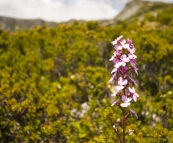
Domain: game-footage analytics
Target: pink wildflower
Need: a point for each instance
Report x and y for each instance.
(124, 59)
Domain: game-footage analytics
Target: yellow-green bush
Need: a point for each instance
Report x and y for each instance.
(48, 76)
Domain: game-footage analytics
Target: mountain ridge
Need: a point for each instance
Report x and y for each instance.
(15, 23)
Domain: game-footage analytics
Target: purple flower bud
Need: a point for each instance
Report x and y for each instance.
(132, 112)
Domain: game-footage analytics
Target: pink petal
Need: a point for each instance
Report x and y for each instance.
(134, 98)
(132, 56)
(132, 112)
(124, 98)
(133, 63)
(120, 79)
(115, 47)
(119, 38)
(125, 82)
(125, 104)
(114, 70)
(123, 42)
(132, 80)
(115, 103)
(126, 46)
(130, 43)
(131, 50)
(124, 58)
(112, 58)
(132, 90)
(114, 94)
(119, 48)
(136, 70)
(122, 82)
(137, 95)
(116, 40)
(119, 64)
(118, 88)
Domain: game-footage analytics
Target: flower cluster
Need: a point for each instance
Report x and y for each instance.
(124, 63)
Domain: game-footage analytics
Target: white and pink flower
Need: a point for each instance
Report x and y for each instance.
(124, 60)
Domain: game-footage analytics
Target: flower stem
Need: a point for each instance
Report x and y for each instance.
(124, 125)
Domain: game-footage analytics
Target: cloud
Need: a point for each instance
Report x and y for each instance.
(63, 10)
(58, 10)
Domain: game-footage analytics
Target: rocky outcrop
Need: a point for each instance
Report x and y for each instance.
(136, 8)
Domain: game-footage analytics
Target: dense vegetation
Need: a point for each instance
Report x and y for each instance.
(54, 82)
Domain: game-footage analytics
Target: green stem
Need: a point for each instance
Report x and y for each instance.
(124, 125)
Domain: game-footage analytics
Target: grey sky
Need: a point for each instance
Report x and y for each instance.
(62, 10)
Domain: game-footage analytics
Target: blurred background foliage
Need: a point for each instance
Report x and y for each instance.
(54, 82)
